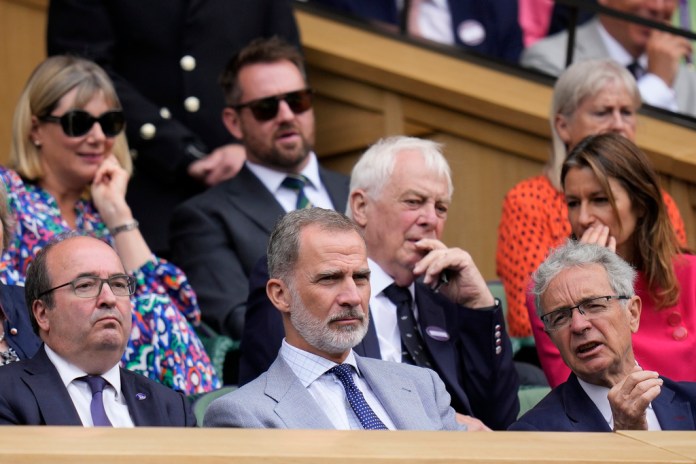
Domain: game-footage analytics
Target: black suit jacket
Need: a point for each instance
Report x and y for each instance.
(481, 379)
(140, 45)
(568, 409)
(32, 393)
(218, 236)
(18, 331)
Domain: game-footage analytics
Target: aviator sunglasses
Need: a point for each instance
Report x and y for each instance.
(265, 109)
(76, 123)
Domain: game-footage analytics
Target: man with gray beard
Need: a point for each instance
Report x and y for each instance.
(320, 283)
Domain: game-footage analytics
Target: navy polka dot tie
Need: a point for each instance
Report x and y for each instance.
(297, 183)
(96, 384)
(367, 417)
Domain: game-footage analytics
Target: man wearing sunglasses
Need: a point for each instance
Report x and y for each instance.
(218, 236)
(585, 297)
(78, 297)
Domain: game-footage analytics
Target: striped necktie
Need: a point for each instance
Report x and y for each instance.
(297, 182)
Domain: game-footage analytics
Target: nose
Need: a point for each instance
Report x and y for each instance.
(578, 322)
(106, 297)
(428, 217)
(350, 294)
(585, 216)
(284, 111)
(96, 133)
(617, 123)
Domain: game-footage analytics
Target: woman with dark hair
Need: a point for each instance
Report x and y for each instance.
(72, 166)
(614, 199)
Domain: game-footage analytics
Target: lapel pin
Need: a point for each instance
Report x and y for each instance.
(437, 333)
(140, 396)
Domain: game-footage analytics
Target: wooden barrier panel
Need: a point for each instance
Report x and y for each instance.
(681, 443)
(74, 445)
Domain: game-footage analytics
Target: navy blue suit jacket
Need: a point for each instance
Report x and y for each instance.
(499, 18)
(32, 393)
(18, 331)
(482, 383)
(568, 409)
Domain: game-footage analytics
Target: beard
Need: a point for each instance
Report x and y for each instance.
(319, 333)
(277, 155)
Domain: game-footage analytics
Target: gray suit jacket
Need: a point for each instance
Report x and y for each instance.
(414, 397)
(548, 55)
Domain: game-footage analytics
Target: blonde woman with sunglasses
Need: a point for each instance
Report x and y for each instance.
(71, 168)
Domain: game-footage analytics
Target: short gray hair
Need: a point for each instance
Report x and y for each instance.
(581, 80)
(375, 166)
(575, 254)
(284, 243)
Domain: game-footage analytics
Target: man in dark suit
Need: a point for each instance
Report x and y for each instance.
(585, 297)
(78, 294)
(165, 58)
(320, 284)
(400, 193)
(218, 236)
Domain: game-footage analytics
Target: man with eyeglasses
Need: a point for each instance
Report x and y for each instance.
(78, 297)
(585, 297)
(217, 237)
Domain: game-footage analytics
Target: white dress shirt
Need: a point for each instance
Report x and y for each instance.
(328, 391)
(81, 395)
(653, 90)
(314, 189)
(599, 396)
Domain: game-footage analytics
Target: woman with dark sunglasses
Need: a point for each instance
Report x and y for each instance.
(72, 165)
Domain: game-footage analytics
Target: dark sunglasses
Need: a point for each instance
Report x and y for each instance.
(265, 109)
(76, 123)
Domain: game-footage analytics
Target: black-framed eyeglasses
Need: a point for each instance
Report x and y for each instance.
(265, 109)
(76, 123)
(90, 286)
(590, 308)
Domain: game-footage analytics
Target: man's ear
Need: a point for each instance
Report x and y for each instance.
(279, 294)
(358, 203)
(230, 118)
(40, 309)
(635, 305)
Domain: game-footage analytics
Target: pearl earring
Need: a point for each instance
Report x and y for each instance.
(37, 144)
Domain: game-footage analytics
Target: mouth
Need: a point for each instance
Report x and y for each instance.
(95, 158)
(287, 135)
(588, 349)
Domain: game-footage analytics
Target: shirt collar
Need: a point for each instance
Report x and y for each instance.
(379, 279)
(616, 51)
(69, 372)
(272, 178)
(600, 397)
(307, 366)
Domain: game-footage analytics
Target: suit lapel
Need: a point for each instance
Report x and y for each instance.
(432, 315)
(580, 409)
(295, 405)
(142, 406)
(671, 412)
(395, 391)
(337, 186)
(52, 398)
(589, 44)
(369, 345)
(251, 197)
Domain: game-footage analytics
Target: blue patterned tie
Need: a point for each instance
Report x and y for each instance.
(96, 408)
(367, 417)
(297, 183)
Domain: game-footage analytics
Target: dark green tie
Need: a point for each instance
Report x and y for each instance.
(297, 182)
